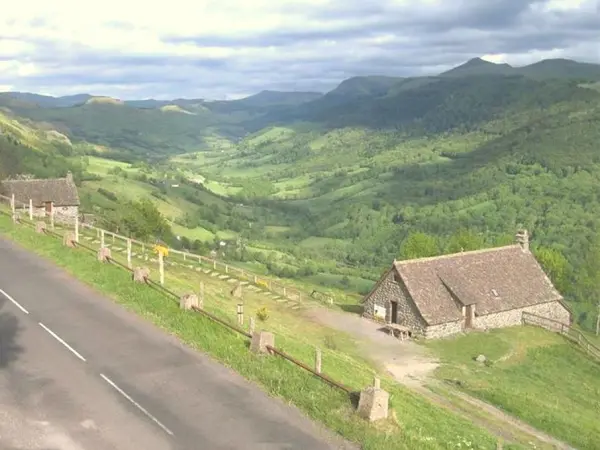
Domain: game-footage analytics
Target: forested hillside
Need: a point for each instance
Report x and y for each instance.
(452, 164)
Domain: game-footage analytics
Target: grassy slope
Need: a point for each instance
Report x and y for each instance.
(534, 375)
(416, 423)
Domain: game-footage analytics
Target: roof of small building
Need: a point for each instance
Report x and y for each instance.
(494, 280)
(60, 191)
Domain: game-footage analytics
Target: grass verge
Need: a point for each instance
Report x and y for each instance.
(533, 374)
(414, 423)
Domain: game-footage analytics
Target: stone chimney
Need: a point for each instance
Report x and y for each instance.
(69, 176)
(522, 238)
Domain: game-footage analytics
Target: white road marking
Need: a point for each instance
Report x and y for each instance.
(58, 338)
(14, 301)
(136, 404)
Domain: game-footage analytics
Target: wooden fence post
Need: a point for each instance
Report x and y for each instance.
(129, 253)
(226, 268)
(101, 238)
(201, 297)
(214, 265)
(161, 267)
(30, 209)
(240, 313)
(318, 360)
(12, 208)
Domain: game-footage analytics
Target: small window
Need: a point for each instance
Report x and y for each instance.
(495, 293)
(397, 278)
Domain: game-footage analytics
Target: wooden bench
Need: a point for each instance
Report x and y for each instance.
(398, 331)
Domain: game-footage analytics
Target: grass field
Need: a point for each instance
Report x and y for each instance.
(534, 375)
(415, 423)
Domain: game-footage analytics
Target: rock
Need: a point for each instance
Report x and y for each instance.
(40, 227)
(481, 359)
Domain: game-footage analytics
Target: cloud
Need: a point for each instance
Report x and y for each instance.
(214, 49)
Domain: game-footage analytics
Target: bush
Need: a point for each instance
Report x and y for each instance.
(262, 314)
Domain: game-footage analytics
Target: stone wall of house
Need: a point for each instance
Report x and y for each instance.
(381, 298)
(444, 329)
(551, 310)
(65, 214)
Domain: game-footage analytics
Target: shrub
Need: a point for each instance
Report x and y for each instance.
(262, 314)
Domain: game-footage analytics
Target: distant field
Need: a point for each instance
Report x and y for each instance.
(102, 166)
(535, 375)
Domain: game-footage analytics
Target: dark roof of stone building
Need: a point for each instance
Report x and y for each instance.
(60, 191)
(495, 280)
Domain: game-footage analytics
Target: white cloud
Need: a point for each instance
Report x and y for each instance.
(213, 48)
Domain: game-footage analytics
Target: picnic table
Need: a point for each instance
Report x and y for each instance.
(397, 330)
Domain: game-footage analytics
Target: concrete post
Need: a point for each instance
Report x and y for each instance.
(252, 325)
(260, 341)
(101, 238)
(374, 402)
(30, 209)
(52, 215)
(188, 301)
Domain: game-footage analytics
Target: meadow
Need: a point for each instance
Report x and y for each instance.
(537, 376)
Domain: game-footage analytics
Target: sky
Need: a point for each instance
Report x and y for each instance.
(225, 49)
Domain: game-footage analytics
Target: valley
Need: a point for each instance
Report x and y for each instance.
(324, 191)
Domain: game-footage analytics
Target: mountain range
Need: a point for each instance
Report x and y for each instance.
(150, 127)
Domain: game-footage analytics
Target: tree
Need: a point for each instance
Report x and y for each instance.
(143, 221)
(464, 240)
(419, 245)
(555, 265)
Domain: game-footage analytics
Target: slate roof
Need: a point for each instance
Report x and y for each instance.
(61, 191)
(495, 280)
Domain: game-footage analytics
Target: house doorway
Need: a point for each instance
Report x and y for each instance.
(48, 207)
(469, 313)
(394, 313)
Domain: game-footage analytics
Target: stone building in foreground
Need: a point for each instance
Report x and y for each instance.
(482, 289)
(58, 195)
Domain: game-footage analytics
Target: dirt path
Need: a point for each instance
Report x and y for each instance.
(413, 366)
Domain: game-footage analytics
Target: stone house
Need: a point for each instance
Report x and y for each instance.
(57, 195)
(482, 289)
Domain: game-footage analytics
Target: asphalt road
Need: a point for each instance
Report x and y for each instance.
(78, 372)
